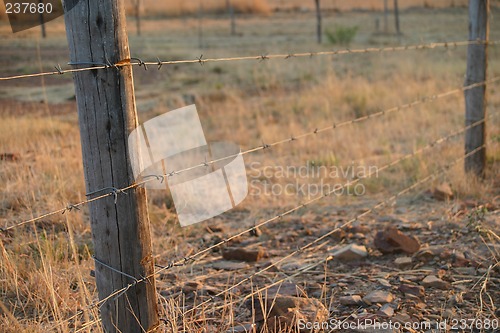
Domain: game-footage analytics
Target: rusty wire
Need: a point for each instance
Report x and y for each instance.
(114, 192)
(185, 261)
(134, 61)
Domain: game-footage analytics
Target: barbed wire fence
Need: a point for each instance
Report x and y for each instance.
(117, 192)
(192, 258)
(91, 66)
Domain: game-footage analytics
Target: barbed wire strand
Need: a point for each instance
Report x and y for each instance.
(185, 261)
(302, 270)
(365, 213)
(379, 205)
(114, 191)
(133, 61)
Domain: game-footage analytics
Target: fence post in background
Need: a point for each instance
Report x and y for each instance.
(386, 16)
(319, 30)
(138, 9)
(42, 22)
(396, 17)
(230, 9)
(105, 99)
(475, 99)
(200, 25)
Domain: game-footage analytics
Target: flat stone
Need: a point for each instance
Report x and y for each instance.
(433, 281)
(412, 290)
(392, 240)
(351, 252)
(403, 262)
(282, 313)
(386, 310)
(443, 192)
(242, 254)
(384, 283)
(350, 300)
(428, 253)
(229, 265)
(378, 296)
(191, 286)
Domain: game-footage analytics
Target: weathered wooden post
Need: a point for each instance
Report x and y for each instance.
(96, 33)
(396, 17)
(319, 30)
(475, 99)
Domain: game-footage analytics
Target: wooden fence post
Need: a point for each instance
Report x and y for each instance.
(386, 15)
(200, 25)
(475, 99)
(396, 17)
(96, 33)
(42, 22)
(230, 9)
(319, 30)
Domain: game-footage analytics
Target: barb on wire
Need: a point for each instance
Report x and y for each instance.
(114, 191)
(201, 61)
(114, 269)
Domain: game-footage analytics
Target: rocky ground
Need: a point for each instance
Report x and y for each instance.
(429, 264)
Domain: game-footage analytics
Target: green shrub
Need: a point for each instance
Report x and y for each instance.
(342, 35)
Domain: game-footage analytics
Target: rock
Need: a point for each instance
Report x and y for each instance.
(412, 289)
(350, 300)
(392, 240)
(433, 281)
(358, 229)
(282, 313)
(291, 266)
(191, 286)
(429, 253)
(386, 311)
(455, 300)
(229, 265)
(442, 192)
(378, 296)
(384, 283)
(351, 252)
(458, 259)
(284, 289)
(403, 262)
(240, 254)
(10, 157)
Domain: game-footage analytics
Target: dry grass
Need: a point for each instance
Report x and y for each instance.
(44, 270)
(190, 7)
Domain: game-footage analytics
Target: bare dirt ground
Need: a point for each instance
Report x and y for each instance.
(45, 271)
